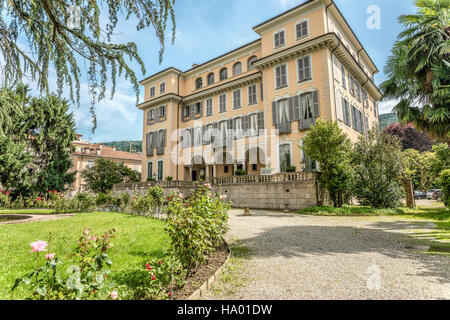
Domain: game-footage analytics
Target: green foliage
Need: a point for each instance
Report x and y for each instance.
(196, 225)
(51, 42)
(240, 172)
(419, 167)
(378, 166)
(83, 202)
(35, 143)
(102, 177)
(156, 282)
(291, 169)
(169, 178)
(155, 197)
(444, 180)
(418, 70)
(327, 144)
(85, 278)
(387, 119)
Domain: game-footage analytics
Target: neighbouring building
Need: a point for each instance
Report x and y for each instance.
(248, 110)
(86, 153)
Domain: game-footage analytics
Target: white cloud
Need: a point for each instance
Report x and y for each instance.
(288, 3)
(387, 106)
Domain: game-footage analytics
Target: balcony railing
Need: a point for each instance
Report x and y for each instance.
(275, 178)
(284, 128)
(305, 124)
(164, 184)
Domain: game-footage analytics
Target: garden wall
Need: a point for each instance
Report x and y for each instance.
(272, 195)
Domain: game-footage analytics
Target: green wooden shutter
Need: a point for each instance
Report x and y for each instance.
(274, 113)
(316, 109)
(260, 122)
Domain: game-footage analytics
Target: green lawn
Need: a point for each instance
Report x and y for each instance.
(137, 240)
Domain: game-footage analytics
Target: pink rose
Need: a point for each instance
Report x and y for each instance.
(49, 256)
(113, 295)
(38, 246)
(223, 197)
(180, 195)
(207, 185)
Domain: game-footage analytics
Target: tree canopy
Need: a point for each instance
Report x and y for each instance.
(64, 35)
(418, 70)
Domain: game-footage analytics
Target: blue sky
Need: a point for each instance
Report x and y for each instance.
(208, 28)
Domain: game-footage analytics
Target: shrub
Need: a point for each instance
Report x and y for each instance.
(445, 185)
(83, 202)
(86, 277)
(140, 204)
(291, 169)
(377, 163)
(103, 199)
(169, 178)
(329, 145)
(156, 282)
(240, 172)
(155, 195)
(5, 199)
(196, 225)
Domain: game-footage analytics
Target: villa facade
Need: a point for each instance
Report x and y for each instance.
(247, 111)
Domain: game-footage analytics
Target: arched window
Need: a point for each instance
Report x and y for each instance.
(198, 83)
(223, 74)
(250, 63)
(237, 68)
(210, 78)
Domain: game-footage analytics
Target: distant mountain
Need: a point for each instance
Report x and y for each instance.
(387, 119)
(136, 146)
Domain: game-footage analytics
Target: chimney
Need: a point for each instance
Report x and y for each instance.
(194, 65)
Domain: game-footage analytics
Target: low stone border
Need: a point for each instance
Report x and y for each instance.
(37, 218)
(208, 284)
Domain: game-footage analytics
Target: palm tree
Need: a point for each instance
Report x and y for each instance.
(419, 69)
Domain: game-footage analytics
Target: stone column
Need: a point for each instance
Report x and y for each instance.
(207, 178)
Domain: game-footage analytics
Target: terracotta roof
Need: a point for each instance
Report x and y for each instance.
(109, 153)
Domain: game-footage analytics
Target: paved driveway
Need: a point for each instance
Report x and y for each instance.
(305, 257)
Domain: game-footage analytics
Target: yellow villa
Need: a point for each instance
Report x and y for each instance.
(247, 111)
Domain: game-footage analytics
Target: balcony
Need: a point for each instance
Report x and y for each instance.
(305, 124)
(284, 128)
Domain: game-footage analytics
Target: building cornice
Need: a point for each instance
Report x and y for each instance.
(329, 40)
(161, 74)
(159, 101)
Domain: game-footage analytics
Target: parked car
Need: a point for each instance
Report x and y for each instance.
(434, 194)
(420, 195)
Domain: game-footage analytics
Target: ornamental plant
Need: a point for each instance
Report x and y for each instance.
(444, 180)
(156, 195)
(5, 199)
(85, 278)
(196, 225)
(159, 279)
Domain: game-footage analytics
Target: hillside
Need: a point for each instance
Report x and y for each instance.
(136, 146)
(387, 119)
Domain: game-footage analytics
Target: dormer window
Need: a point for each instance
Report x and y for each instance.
(223, 74)
(279, 39)
(198, 83)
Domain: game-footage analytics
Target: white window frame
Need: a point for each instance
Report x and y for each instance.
(281, 45)
(225, 103)
(234, 99)
(154, 91)
(275, 76)
(234, 65)
(310, 68)
(249, 103)
(160, 85)
(308, 26)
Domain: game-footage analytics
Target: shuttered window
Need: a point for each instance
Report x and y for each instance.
(223, 74)
(149, 170)
(346, 112)
(152, 92)
(162, 88)
(281, 76)
(252, 95)
(304, 69)
(209, 107)
(223, 103)
(238, 128)
(285, 157)
(237, 99)
(160, 170)
(344, 80)
(339, 109)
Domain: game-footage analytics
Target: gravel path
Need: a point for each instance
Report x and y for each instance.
(305, 257)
